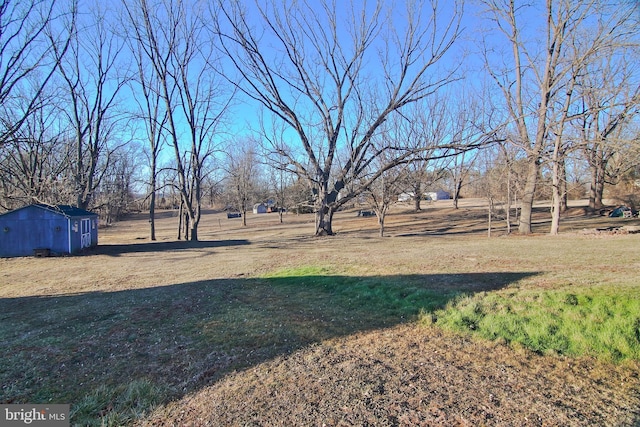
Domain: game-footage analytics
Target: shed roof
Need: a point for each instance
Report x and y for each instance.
(65, 210)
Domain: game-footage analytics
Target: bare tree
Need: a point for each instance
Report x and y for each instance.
(92, 79)
(281, 180)
(609, 95)
(153, 115)
(496, 184)
(334, 75)
(171, 35)
(114, 197)
(383, 192)
(424, 127)
(28, 62)
(242, 170)
(472, 119)
(34, 163)
(610, 37)
(460, 169)
(559, 150)
(534, 80)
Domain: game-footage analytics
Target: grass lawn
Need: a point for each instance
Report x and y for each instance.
(135, 325)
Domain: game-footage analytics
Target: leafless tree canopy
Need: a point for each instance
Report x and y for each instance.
(537, 80)
(335, 97)
(170, 36)
(335, 75)
(26, 64)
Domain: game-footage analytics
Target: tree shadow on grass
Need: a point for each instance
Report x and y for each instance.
(117, 250)
(182, 337)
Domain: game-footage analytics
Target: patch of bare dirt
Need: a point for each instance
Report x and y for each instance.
(414, 376)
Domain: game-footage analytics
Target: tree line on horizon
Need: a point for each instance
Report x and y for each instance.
(316, 105)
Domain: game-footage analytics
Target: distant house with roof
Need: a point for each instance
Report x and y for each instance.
(438, 195)
(42, 230)
(260, 208)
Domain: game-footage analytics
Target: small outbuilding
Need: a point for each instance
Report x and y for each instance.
(259, 208)
(438, 195)
(405, 197)
(42, 230)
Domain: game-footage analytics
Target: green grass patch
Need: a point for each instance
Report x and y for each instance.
(119, 405)
(386, 299)
(591, 321)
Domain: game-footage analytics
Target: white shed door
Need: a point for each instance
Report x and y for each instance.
(85, 236)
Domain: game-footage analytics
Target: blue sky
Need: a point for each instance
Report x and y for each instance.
(246, 116)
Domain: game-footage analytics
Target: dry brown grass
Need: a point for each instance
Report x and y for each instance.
(228, 347)
(410, 376)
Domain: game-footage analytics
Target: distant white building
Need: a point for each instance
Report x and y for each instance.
(405, 197)
(431, 195)
(438, 195)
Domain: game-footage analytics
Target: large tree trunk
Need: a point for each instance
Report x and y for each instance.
(555, 212)
(195, 208)
(596, 189)
(381, 213)
(417, 197)
(326, 206)
(194, 230)
(599, 204)
(526, 207)
(456, 192)
(509, 201)
(152, 203)
(556, 191)
(592, 189)
(152, 215)
(180, 219)
(324, 220)
(563, 185)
